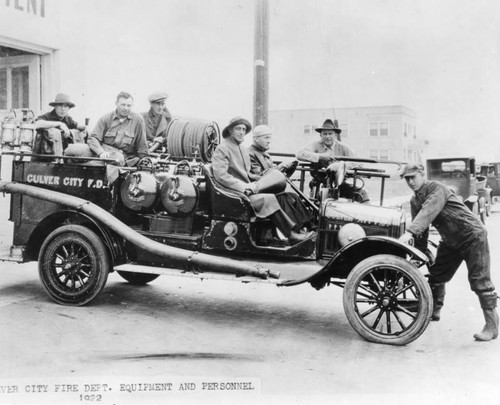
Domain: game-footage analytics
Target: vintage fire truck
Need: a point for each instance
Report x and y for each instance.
(82, 219)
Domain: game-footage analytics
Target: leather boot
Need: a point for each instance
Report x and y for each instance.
(283, 222)
(438, 293)
(286, 226)
(488, 304)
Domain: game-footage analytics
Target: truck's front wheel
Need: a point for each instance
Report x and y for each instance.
(73, 265)
(387, 300)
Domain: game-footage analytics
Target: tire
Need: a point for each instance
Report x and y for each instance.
(73, 265)
(138, 278)
(387, 300)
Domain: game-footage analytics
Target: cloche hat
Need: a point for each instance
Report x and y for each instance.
(236, 121)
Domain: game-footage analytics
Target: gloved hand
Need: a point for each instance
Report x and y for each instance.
(251, 189)
(407, 238)
(288, 168)
(325, 158)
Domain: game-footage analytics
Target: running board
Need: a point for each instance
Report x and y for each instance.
(206, 275)
(11, 254)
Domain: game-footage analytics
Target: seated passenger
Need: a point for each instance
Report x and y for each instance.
(122, 129)
(231, 168)
(157, 120)
(56, 129)
(261, 161)
(322, 154)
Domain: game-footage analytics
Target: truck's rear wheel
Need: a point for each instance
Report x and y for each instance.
(138, 278)
(387, 300)
(73, 265)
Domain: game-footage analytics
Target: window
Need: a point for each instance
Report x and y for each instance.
(20, 81)
(379, 128)
(384, 154)
(384, 128)
(381, 154)
(344, 126)
(307, 129)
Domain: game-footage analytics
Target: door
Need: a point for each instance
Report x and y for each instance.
(20, 83)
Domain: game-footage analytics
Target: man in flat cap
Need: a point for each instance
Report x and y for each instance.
(56, 129)
(157, 120)
(464, 238)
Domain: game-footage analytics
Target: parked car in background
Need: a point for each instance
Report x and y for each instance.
(492, 173)
(459, 174)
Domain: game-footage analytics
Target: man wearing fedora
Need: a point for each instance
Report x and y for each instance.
(261, 162)
(231, 169)
(321, 154)
(157, 120)
(464, 238)
(56, 129)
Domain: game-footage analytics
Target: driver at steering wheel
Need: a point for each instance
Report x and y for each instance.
(321, 154)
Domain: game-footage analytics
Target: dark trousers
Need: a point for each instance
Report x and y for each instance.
(295, 209)
(476, 253)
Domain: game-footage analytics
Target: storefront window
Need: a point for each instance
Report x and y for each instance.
(3, 89)
(20, 87)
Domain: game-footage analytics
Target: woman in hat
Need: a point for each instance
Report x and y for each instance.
(54, 129)
(231, 168)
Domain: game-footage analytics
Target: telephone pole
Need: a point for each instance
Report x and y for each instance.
(261, 63)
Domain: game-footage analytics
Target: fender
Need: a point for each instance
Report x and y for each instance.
(184, 258)
(49, 223)
(356, 250)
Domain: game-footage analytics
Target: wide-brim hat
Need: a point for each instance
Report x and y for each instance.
(62, 98)
(411, 170)
(236, 121)
(330, 125)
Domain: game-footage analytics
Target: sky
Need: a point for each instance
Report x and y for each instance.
(439, 58)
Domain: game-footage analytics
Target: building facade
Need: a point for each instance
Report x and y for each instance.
(384, 132)
(93, 49)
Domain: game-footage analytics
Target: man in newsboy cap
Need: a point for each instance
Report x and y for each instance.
(56, 129)
(157, 120)
(464, 238)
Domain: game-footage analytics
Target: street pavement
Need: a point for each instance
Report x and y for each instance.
(226, 342)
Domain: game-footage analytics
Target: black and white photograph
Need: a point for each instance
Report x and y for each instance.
(249, 201)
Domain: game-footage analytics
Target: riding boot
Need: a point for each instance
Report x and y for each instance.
(438, 293)
(488, 302)
(286, 226)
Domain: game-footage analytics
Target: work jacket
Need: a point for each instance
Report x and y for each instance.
(436, 204)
